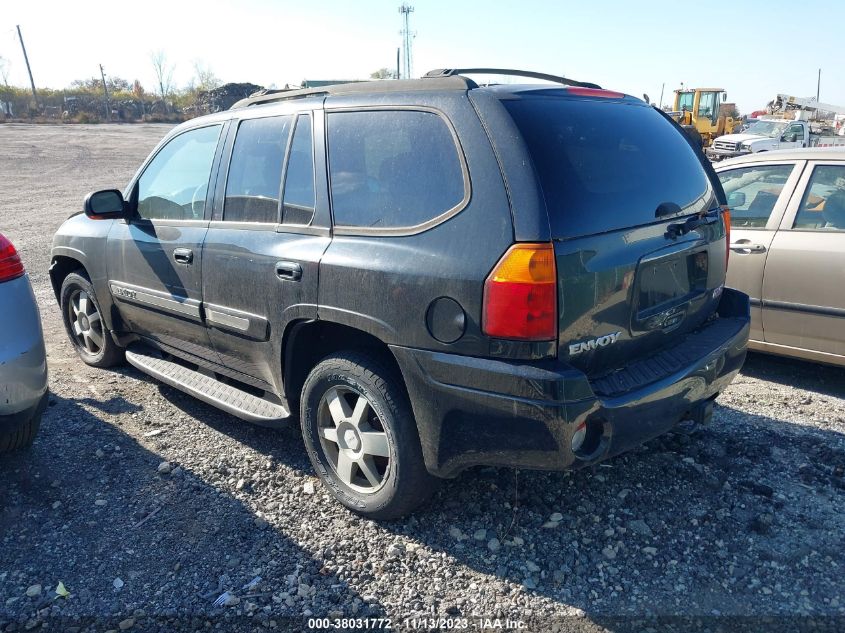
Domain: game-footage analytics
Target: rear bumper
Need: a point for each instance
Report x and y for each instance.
(14, 420)
(473, 411)
(23, 359)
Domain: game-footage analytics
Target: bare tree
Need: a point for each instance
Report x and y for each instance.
(204, 77)
(4, 75)
(4, 70)
(164, 72)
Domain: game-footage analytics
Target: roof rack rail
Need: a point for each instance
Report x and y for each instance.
(359, 87)
(452, 72)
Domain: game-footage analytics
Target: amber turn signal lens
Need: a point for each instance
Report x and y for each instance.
(520, 295)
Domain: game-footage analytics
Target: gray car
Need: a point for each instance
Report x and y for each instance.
(23, 360)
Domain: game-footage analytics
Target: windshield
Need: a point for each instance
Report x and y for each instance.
(772, 129)
(685, 101)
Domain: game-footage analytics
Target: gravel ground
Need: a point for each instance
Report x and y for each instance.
(147, 505)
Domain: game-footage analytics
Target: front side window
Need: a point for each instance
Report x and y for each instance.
(299, 176)
(175, 183)
(794, 133)
(392, 168)
(685, 101)
(255, 171)
(823, 206)
(753, 192)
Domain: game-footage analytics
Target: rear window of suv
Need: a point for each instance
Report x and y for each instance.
(607, 165)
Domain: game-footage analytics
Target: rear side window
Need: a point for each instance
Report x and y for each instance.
(255, 171)
(605, 165)
(392, 169)
(753, 192)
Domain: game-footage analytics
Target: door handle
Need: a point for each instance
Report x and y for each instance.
(289, 271)
(747, 247)
(183, 255)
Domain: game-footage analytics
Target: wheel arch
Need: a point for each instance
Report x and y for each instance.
(64, 262)
(307, 341)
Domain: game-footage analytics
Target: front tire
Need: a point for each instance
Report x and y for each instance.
(83, 319)
(361, 436)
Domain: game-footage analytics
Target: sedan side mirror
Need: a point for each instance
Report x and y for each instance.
(105, 205)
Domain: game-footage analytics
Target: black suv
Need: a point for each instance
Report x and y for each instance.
(434, 274)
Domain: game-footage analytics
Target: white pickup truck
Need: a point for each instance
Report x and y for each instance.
(767, 134)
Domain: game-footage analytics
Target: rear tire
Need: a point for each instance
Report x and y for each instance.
(361, 436)
(83, 319)
(21, 436)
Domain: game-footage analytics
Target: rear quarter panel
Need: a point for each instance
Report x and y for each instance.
(384, 284)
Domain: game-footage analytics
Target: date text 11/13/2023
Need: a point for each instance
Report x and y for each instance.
(419, 623)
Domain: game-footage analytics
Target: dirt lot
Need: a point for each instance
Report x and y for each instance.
(742, 518)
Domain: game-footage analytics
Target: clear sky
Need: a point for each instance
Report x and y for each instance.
(753, 49)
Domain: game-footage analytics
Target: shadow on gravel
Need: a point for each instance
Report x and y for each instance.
(90, 507)
(824, 379)
(741, 518)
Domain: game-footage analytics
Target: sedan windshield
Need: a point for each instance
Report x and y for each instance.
(772, 129)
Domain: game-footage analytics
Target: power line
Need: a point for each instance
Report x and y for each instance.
(28, 69)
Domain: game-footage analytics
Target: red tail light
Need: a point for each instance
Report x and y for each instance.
(520, 295)
(10, 262)
(726, 218)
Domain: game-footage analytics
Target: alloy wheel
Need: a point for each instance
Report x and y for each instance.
(353, 439)
(86, 323)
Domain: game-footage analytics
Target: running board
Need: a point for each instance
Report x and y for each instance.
(208, 389)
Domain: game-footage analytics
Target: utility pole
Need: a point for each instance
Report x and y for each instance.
(28, 69)
(398, 76)
(106, 92)
(818, 85)
(660, 103)
(406, 10)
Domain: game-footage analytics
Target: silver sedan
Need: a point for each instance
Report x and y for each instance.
(23, 360)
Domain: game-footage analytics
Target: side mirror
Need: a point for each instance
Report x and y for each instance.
(736, 199)
(105, 205)
(790, 138)
(724, 97)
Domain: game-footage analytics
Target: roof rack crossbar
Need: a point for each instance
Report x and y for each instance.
(451, 72)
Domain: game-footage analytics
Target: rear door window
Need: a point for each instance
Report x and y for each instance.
(299, 176)
(605, 165)
(753, 192)
(823, 206)
(392, 168)
(255, 171)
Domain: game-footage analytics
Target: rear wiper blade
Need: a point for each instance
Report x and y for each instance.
(674, 231)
